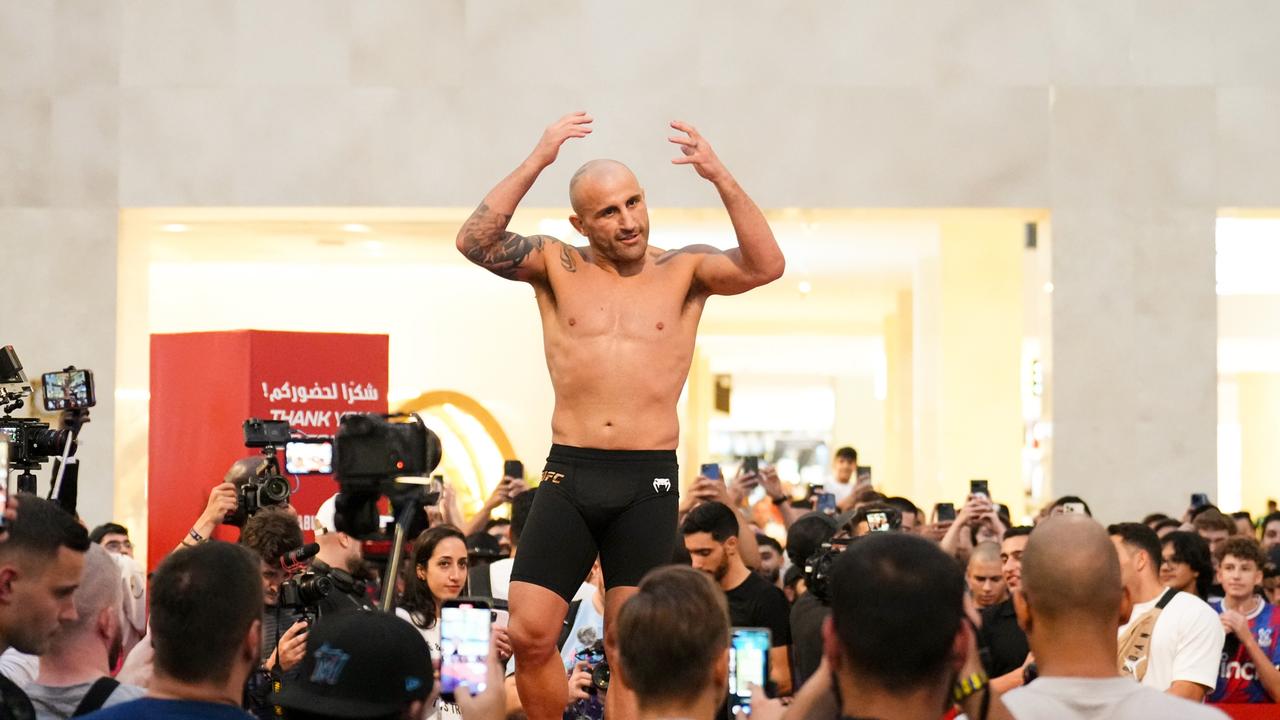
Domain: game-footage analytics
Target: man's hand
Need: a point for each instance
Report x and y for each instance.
(768, 477)
(513, 486)
(743, 484)
(697, 152)
(763, 707)
(1234, 622)
(502, 641)
(579, 681)
(702, 490)
(573, 125)
(222, 500)
(490, 704)
(291, 648)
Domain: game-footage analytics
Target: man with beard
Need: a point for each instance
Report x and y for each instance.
(619, 321)
(711, 536)
(771, 560)
(75, 673)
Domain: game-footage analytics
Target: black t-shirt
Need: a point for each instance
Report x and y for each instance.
(756, 603)
(807, 616)
(14, 704)
(1005, 640)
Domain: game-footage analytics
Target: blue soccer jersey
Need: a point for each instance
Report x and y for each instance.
(1237, 675)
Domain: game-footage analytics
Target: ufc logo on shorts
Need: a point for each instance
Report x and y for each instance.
(552, 477)
(662, 484)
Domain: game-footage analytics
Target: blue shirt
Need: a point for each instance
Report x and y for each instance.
(148, 708)
(1237, 677)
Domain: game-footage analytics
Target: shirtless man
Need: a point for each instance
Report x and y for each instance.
(619, 320)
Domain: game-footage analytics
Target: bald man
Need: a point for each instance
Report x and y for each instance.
(986, 581)
(619, 321)
(1070, 603)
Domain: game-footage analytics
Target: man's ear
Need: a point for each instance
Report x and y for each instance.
(576, 222)
(731, 545)
(1126, 605)
(831, 649)
(1022, 609)
(8, 574)
(720, 672)
(960, 645)
(108, 623)
(252, 647)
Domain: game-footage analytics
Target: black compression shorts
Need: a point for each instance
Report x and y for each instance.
(621, 504)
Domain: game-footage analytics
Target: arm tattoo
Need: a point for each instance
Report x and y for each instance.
(488, 244)
(566, 258)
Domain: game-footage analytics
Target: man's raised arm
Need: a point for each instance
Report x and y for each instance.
(484, 238)
(757, 260)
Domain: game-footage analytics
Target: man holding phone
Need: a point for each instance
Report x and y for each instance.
(619, 323)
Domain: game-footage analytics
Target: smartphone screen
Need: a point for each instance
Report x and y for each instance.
(513, 468)
(878, 522)
(711, 470)
(1199, 500)
(826, 502)
(944, 512)
(750, 465)
(68, 390)
(309, 457)
(748, 665)
(979, 487)
(464, 647)
(864, 475)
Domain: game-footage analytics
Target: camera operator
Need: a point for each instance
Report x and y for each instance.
(41, 560)
(224, 499)
(805, 538)
(340, 559)
(711, 536)
(75, 674)
(271, 533)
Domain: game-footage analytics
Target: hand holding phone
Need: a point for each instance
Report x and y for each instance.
(711, 470)
(465, 643)
(944, 512)
(979, 487)
(748, 666)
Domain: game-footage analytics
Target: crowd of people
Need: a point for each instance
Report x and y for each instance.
(874, 609)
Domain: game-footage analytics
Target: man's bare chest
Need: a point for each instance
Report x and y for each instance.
(628, 308)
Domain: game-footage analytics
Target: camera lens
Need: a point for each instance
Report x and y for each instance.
(50, 442)
(275, 491)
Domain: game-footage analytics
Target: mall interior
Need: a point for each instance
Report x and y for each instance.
(1034, 242)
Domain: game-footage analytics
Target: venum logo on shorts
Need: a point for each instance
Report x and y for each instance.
(552, 477)
(662, 484)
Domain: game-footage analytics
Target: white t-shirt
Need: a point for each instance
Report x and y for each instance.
(1186, 643)
(839, 489)
(1118, 698)
(443, 710)
(19, 667)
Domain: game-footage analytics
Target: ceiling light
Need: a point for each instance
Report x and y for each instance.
(356, 228)
(175, 228)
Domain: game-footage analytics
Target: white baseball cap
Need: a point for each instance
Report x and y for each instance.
(324, 516)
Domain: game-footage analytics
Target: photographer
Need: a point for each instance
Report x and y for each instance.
(271, 533)
(339, 560)
(805, 538)
(223, 499)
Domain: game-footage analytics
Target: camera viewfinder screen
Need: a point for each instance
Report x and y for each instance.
(464, 648)
(67, 390)
(748, 659)
(308, 458)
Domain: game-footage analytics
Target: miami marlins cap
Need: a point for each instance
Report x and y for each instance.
(358, 665)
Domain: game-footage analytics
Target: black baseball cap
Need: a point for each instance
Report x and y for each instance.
(360, 664)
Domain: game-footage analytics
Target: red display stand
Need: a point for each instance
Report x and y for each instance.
(205, 385)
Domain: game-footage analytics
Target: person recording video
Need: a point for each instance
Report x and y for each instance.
(340, 561)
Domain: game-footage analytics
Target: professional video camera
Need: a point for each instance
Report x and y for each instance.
(817, 569)
(267, 486)
(31, 442)
(592, 706)
(305, 588)
(391, 456)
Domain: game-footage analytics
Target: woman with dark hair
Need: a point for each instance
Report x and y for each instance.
(438, 572)
(1185, 563)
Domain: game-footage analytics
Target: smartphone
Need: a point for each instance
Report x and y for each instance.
(864, 475)
(944, 512)
(750, 465)
(513, 468)
(748, 665)
(711, 470)
(465, 625)
(69, 390)
(309, 456)
(1199, 500)
(979, 487)
(878, 522)
(826, 502)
